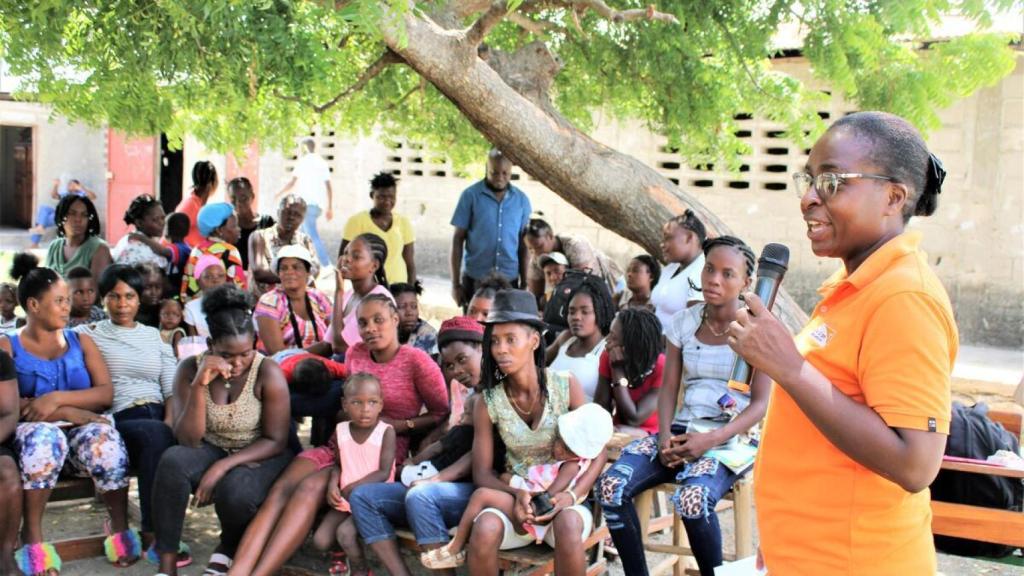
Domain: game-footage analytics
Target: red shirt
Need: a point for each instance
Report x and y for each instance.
(410, 381)
(190, 205)
(336, 369)
(650, 383)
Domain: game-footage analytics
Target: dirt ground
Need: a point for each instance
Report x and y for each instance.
(86, 516)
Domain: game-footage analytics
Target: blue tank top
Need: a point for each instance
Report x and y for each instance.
(38, 376)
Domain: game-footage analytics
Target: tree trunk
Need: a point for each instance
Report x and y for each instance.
(615, 189)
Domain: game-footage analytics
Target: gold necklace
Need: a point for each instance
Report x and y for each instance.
(520, 410)
(704, 320)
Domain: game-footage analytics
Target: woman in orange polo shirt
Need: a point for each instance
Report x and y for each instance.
(857, 423)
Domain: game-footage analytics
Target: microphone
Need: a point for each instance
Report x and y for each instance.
(771, 267)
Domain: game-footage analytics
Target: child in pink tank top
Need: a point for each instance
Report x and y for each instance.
(366, 455)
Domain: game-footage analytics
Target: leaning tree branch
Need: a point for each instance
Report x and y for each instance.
(372, 71)
(531, 25)
(494, 14)
(609, 13)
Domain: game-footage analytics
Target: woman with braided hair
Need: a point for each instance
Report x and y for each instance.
(142, 245)
(630, 371)
(711, 415)
(362, 264)
(589, 314)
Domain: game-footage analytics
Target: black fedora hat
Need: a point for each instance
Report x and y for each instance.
(512, 305)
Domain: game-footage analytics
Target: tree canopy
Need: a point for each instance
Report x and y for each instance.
(229, 71)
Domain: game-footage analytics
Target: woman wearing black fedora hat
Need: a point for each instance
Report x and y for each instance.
(523, 401)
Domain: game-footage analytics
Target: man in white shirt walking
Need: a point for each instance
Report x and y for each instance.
(312, 181)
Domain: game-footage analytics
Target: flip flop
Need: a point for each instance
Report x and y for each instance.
(338, 564)
(184, 555)
(218, 558)
(442, 558)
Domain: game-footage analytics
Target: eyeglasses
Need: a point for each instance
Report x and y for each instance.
(827, 183)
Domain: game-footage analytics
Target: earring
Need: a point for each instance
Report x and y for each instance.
(498, 375)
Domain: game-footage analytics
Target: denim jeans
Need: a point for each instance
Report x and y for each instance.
(309, 227)
(323, 409)
(701, 484)
(236, 498)
(430, 510)
(146, 437)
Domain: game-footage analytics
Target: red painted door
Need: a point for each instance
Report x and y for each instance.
(131, 170)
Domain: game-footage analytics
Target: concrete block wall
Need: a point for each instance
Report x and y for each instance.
(61, 150)
(975, 241)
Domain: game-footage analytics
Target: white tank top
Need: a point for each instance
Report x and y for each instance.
(583, 368)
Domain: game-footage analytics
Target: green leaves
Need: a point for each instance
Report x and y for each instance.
(229, 71)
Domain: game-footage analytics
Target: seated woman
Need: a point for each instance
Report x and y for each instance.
(410, 380)
(362, 264)
(219, 227)
(523, 402)
(78, 241)
(436, 483)
(142, 369)
(264, 244)
(642, 276)
(292, 314)
(412, 329)
(711, 415)
(10, 480)
(63, 383)
(210, 273)
(146, 215)
(630, 371)
(242, 197)
(231, 421)
(578, 350)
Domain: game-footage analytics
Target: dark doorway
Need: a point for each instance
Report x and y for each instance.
(172, 171)
(16, 178)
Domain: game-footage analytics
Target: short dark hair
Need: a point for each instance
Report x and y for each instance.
(689, 221)
(404, 288)
(61, 214)
(652, 266)
(490, 285)
(33, 281)
(383, 180)
(137, 209)
(120, 273)
(358, 378)
(310, 377)
(228, 311)
(898, 149)
(239, 183)
(178, 225)
(77, 273)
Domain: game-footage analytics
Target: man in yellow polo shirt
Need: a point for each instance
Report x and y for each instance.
(858, 418)
(395, 229)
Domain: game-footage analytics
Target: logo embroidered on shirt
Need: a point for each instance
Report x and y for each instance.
(822, 335)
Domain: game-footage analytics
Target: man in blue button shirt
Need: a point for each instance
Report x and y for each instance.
(489, 221)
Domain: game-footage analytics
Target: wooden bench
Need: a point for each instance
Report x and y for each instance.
(536, 559)
(977, 522)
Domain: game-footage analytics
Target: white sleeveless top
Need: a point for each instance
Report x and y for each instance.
(583, 368)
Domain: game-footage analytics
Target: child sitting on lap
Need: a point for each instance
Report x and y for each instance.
(582, 436)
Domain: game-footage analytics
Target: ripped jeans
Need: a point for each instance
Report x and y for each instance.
(700, 486)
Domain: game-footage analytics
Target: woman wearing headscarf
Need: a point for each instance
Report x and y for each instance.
(219, 228)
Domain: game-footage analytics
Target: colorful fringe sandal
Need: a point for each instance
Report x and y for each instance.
(184, 555)
(39, 559)
(124, 548)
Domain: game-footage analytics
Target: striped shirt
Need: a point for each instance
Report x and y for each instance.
(141, 364)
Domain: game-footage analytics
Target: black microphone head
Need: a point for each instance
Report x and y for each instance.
(774, 258)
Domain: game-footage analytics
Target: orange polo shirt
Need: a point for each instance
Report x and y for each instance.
(884, 336)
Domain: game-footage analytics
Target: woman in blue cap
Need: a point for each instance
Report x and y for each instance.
(219, 227)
